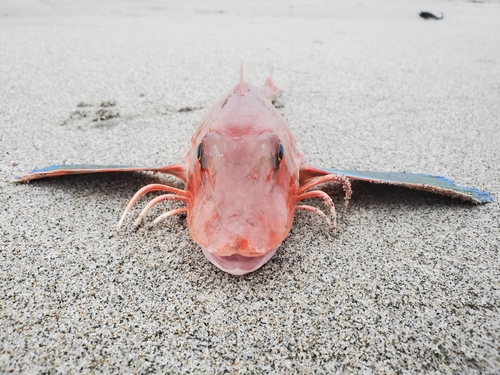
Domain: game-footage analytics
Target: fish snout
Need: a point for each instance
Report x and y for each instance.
(241, 244)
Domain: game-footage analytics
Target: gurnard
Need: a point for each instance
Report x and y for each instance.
(244, 179)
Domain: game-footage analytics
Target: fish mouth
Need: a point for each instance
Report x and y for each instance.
(238, 265)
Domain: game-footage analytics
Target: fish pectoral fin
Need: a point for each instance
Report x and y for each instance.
(434, 184)
(176, 170)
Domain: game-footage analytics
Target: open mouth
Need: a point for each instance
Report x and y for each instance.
(238, 264)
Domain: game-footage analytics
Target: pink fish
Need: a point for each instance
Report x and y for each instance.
(244, 179)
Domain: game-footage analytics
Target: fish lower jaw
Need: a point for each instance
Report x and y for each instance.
(238, 264)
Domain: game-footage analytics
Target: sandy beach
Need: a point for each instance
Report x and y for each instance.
(409, 282)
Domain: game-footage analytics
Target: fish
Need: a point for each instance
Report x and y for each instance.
(244, 179)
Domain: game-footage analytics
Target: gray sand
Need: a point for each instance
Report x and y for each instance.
(410, 281)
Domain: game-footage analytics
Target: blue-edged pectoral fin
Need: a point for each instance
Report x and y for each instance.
(176, 170)
(419, 181)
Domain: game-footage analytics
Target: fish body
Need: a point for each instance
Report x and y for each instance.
(242, 174)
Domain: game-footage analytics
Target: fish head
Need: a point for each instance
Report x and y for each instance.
(243, 181)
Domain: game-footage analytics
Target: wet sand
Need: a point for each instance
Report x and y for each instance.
(410, 281)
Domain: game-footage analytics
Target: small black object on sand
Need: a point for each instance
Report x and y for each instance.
(428, 15)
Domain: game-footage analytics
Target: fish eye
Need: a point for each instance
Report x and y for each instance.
(281, 152)
(199, 151)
